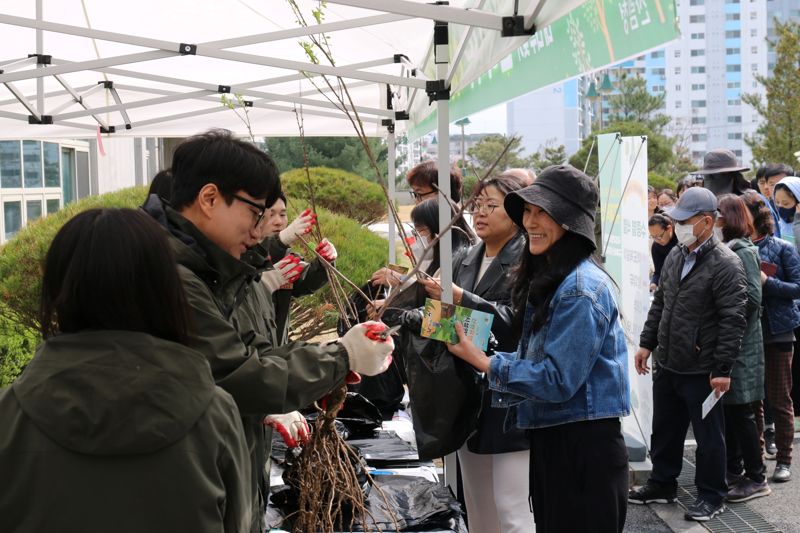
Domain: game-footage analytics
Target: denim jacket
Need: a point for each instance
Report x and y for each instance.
(575, 367)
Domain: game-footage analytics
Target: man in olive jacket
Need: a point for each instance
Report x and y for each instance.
(694, 330)
(221, 188)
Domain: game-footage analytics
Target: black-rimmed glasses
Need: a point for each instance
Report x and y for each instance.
(262, 209)
(485, 209)
(421, 195)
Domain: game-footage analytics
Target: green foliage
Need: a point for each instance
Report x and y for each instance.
(488, 150)
(361, 253)
(345, 153)
(342, 192)
(548, 155)
(661, 154)
(22, 257)
(778, 137)
(21, 261)
(633, 102)
(659, 182)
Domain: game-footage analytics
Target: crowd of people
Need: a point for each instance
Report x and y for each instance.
(167, 359)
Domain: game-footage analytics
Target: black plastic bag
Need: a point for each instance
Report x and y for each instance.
(445, 395)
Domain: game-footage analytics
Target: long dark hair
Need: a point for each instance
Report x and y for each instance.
(427, 214)
(113, 269)
(537, 277)
(763, 222)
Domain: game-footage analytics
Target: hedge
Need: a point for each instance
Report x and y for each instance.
(339, 191)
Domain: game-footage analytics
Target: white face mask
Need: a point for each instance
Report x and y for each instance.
(685, 233)
(718, 234)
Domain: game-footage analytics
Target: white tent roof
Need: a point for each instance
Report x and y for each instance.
(250, 46)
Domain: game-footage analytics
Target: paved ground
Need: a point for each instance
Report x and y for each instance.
(781, 508)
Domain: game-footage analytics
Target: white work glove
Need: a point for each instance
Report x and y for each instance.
(327, 251)
(299, 226)
(292, 427)
(287, 270)
(367, 356)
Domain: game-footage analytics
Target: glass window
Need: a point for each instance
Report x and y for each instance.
(32, 156)
(697, 18)
(678, 104)
(735, 119)
(698, 70)
(52, 165)
(68, 177)
(698, 52)
(733, 68)
(733, 34)
(698, 120)
(734, 136)
(732, 51)
(34, 209)
(698, 103)
(12, 215)
(731, 16)
(10, 165)
(53, 205)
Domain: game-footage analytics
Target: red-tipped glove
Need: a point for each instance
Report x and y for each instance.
(368, 351)
(302, 225)
(327, 251)
(287, 270)
(292, 427)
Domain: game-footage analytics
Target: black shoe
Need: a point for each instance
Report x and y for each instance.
(770, 449)
(702, 511)
(747, 489)
(651, 493)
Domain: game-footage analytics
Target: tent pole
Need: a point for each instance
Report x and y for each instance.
(39, 52)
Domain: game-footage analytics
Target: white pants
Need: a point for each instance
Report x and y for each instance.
(496, 491)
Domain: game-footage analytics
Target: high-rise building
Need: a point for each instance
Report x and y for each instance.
(723, 47)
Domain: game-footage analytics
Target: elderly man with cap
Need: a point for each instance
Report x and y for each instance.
(694, 331)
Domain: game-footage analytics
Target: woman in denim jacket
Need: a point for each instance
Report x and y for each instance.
(568, 381)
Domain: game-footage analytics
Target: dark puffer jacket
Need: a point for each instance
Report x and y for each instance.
(695, 325)
(782, 290)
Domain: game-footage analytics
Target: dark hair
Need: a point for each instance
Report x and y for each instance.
(738, 220)
(505, 183)
(427, 214)
(113, 269)
(427, 173)
(231, 164)
(537, 277)
(760, 172)
(281, 196)
(161, 185)
(659, 219)
(763, 222)
(669, 193)
(775, 169)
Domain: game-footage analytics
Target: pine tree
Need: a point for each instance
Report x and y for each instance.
(778, 136)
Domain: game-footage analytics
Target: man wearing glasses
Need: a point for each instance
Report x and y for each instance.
(423, 177)
(221, 189)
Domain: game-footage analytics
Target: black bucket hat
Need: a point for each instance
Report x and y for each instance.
(565, 193)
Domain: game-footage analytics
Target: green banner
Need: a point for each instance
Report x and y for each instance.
(596, 34)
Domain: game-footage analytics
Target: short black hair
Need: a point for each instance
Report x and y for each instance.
(161, 185)
(113, 269)
(231, 164)
(775, 169)
(281, 196)
(427, 214)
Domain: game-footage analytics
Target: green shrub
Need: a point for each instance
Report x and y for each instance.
(22, 257)
(361, 253)
(339, 191)
(659, 182)
(21, 261)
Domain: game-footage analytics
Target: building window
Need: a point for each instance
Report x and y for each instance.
(699, 137)
(699, 35)
(53, 205)
(734, 136)
(733, 68)
(733, 51)
(738, 153)
(698, 120)
(660, 71)
(32, 163)
(657, 54)
(677, 87)
(697, 2)
(754, 66)
(733, 34)
(697, 18)
(754, 49)
(698, 86)
(10, 165)
(696, 53)
(731, 1)
(677, 70)
(678, 104)
(677, 53)
(731, 16)
(12, 216)
(736, 119)
(754, 32)
(698, 103)
(52, 165)
(734, 85)
(33, 209)
(698, 70)
(753, 15)
(735, 101)
(658, 88)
